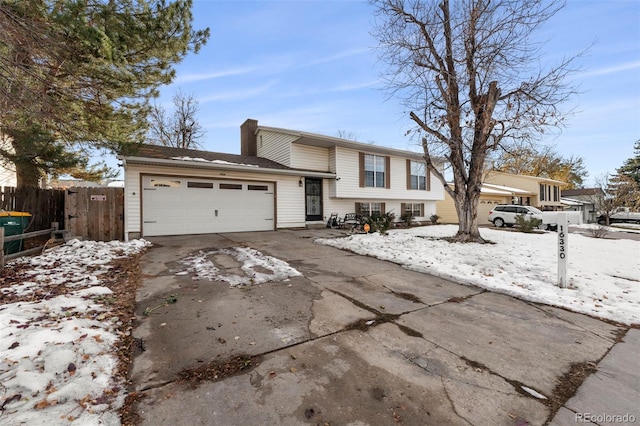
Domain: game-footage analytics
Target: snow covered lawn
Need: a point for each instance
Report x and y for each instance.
(603, 274)
(59, 323)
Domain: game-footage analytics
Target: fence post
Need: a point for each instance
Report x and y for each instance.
(1, 248)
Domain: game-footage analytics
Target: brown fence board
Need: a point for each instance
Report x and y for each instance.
(95, 213)
(44, 205)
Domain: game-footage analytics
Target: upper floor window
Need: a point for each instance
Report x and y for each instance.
(417, 175)
(374, 171)
(546, 193)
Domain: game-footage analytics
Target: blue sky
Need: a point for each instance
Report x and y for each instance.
(310, 65)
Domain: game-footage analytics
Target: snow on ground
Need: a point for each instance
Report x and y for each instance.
(56, 342)
(603, 275)
(258, 268)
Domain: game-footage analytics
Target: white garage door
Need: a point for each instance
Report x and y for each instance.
(177, 206)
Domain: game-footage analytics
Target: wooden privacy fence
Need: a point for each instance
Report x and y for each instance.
(95, 213)
(44, 205)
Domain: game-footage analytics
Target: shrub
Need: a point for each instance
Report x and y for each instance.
(600, 231)
(434, 219)
(380, 222)
(527, 225)
(407, 218)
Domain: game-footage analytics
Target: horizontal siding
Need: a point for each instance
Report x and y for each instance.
(309, 157)
(347, 170)
(132, 206)
(7, 175)
(290, 203)
(446, 208)
(344, 206)
(275, 146)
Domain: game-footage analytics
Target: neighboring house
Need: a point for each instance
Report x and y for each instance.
(545, 193)
(7, 168)
(504, 188)
(282, 179)
(584, 207)
(490, 196)
(7, 175)
(588, 198)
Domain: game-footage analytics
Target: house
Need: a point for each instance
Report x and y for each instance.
(281, 179)
(584, 200)
(7, 174)
(504, 188)
(545, 193)
(7, 168)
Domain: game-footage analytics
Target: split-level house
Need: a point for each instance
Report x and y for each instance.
(282, 179)
(506, 188)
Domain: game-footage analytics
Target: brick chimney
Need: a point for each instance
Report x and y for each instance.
(248, 140)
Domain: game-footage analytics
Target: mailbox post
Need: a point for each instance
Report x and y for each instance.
(563, 246)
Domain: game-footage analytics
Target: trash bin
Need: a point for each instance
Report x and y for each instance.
(14, 223)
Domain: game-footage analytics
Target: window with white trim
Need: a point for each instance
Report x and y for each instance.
(418, 176)
(413, 209)
(368, 209)
(374, 171)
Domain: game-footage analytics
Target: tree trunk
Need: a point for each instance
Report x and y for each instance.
(467, 209)
(28, 174)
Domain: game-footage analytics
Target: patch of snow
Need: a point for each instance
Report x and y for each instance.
(56, 355)
(254, 264)
(603, 275)
(533, 392)
(203, 160)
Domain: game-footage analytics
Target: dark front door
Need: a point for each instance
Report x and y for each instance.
(313, 196)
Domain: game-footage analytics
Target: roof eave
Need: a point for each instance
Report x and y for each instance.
(226, 167)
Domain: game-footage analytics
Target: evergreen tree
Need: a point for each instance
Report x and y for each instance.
(76, 74)
(631, 167)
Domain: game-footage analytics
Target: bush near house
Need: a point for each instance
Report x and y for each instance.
(379, 222)
(527, 225)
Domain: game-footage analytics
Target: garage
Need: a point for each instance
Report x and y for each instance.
(175, 205)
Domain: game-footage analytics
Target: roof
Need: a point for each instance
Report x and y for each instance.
(487, 187)
(323, 141)
(536, 178)
(572, 202)
(171, 153)
(581, 191)
(193, 158)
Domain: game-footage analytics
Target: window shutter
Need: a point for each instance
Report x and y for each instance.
(421, 209)
(358, 208)
(387, 172)
(428, 177)
(382, 210)
(408, 175)
(361, 169)
(403, 208)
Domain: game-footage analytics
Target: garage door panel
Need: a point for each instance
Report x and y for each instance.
(174, 206)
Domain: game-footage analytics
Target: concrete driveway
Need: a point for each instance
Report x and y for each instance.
(353, 341)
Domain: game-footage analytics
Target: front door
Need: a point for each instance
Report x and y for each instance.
(313, 196)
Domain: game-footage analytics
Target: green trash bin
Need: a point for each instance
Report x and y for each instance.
(14, 223)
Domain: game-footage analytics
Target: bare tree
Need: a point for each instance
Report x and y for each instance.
(347, 134)
(180, 129)
(604, 198)
(469, 72)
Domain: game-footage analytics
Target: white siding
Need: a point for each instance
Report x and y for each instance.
(289, 196)
(309, 157)
(7, 175)
(344, 206)
(290, 203)
(275, 146)
(347, 169)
